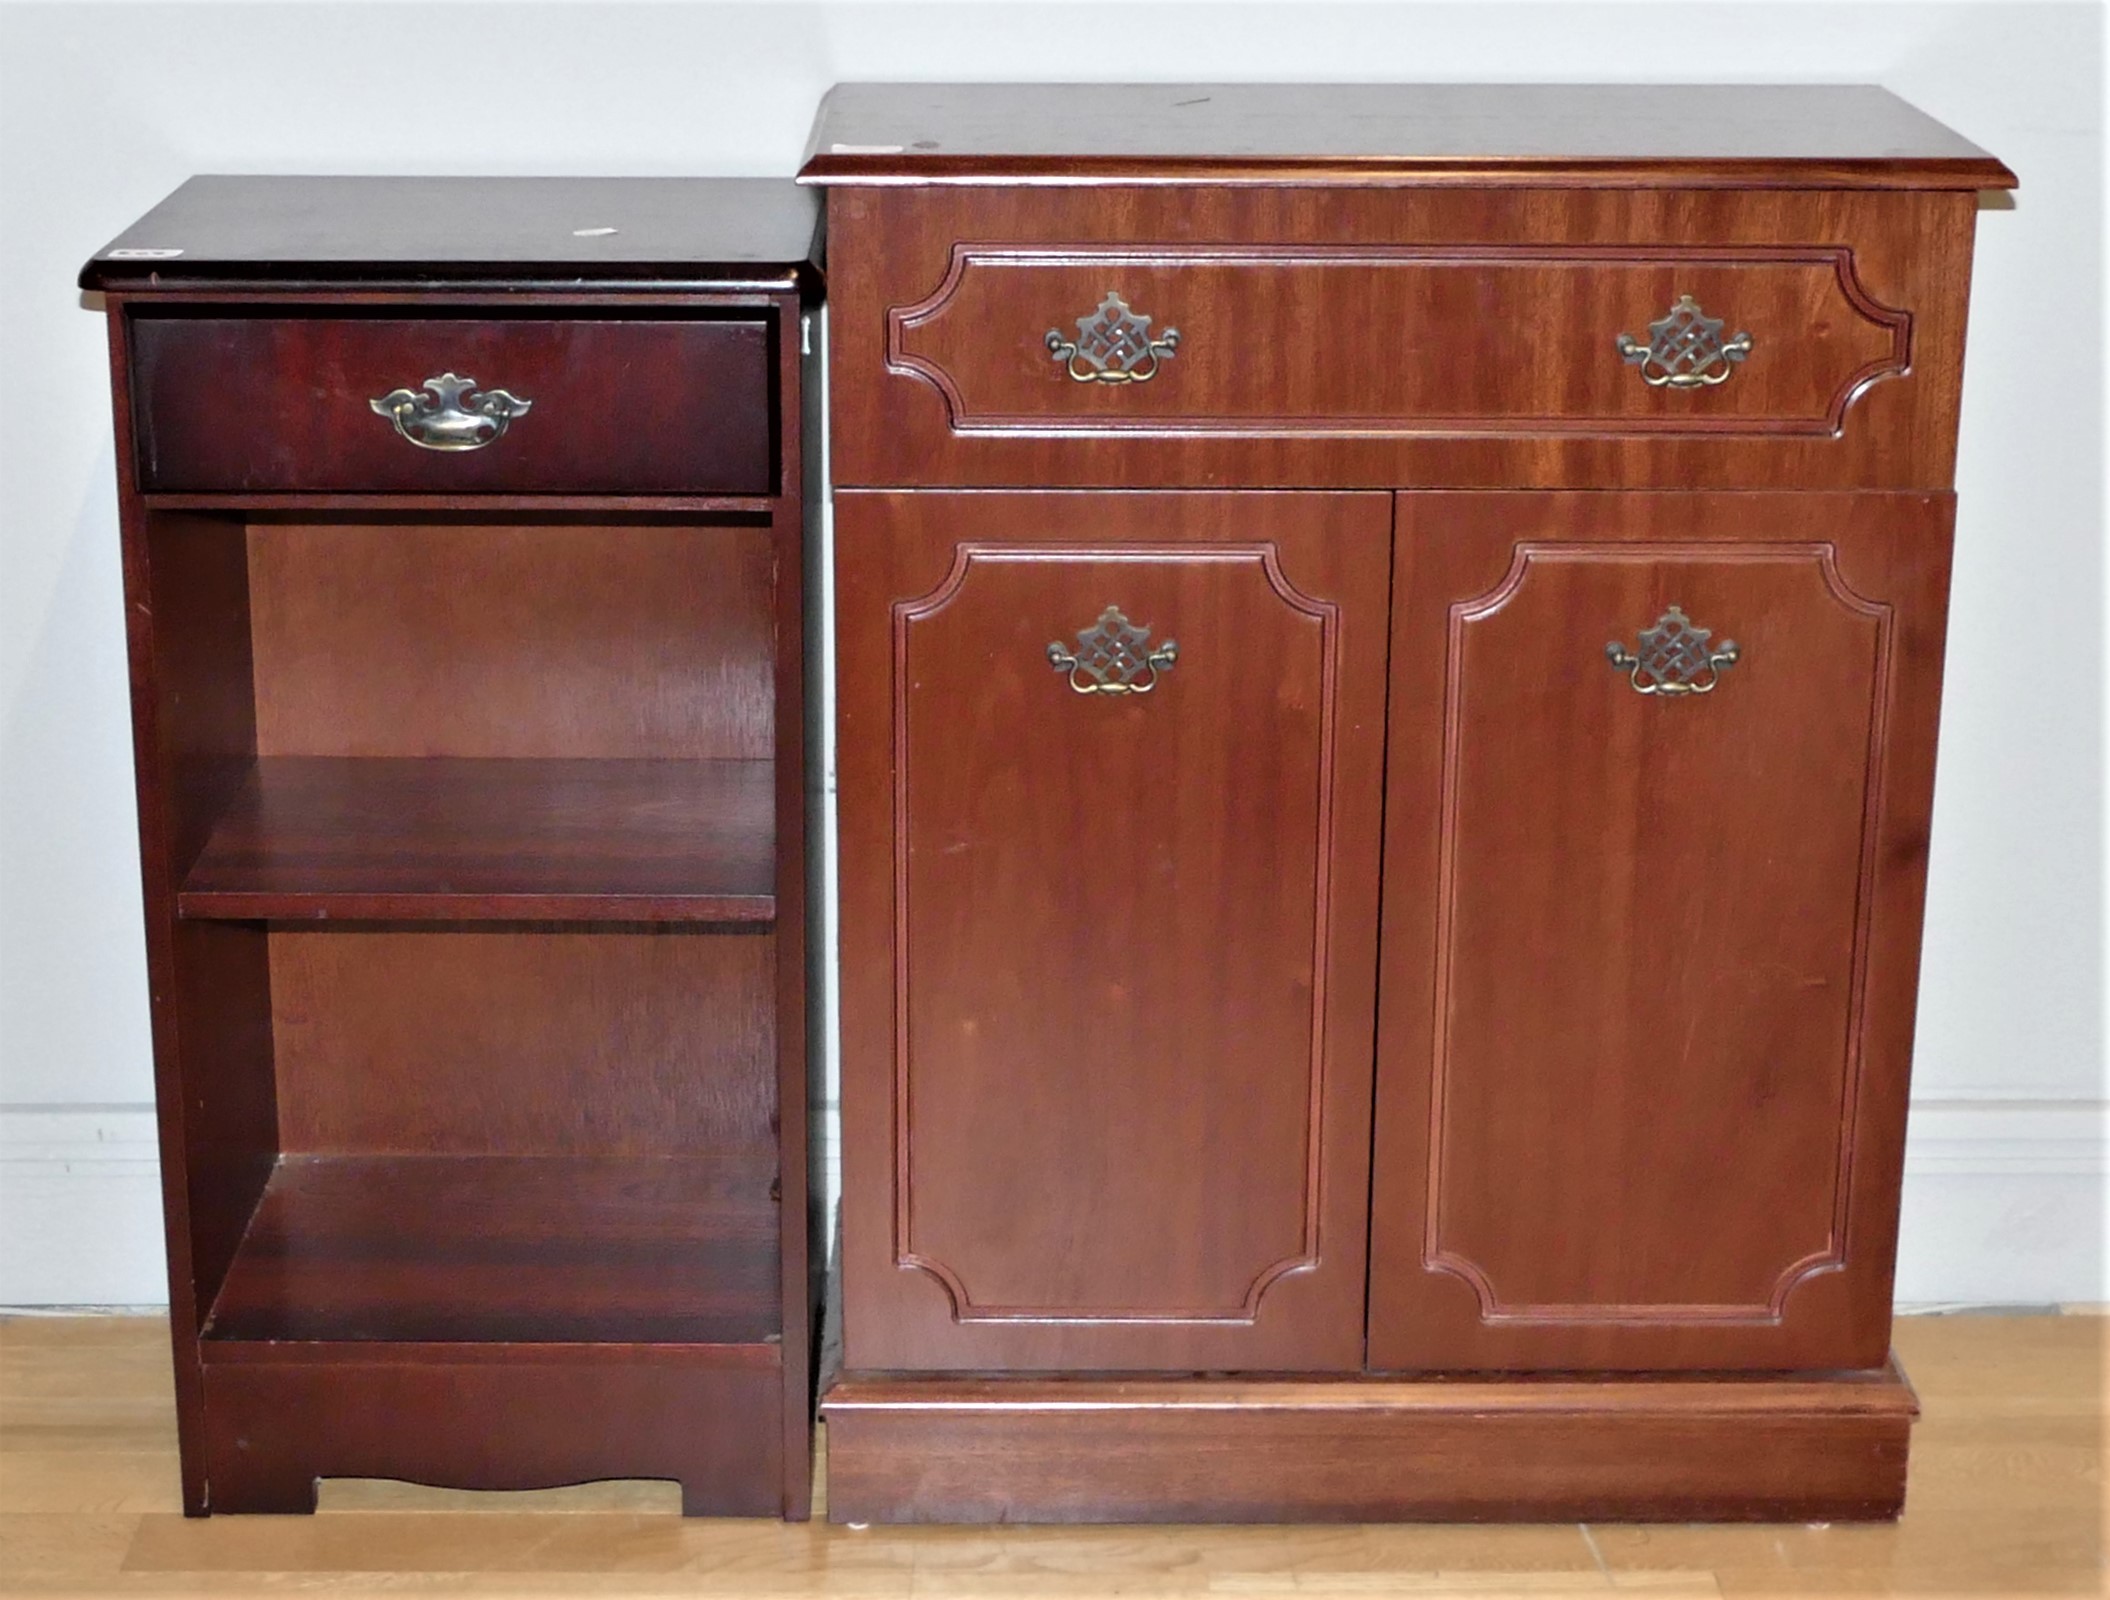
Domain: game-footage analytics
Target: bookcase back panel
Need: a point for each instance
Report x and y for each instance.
(470, 638)
(523, 1042)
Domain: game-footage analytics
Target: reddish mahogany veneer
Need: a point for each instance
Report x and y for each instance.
(472, 820)
(507, 1250)
(441, 839)
(258, 404)
(1143, 1218)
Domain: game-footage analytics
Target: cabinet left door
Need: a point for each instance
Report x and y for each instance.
(1110, 774)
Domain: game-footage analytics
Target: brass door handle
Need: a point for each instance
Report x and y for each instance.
(450, 416)
(1113, 345)
(1685, 349)
(1674, 657)
(1114, 656)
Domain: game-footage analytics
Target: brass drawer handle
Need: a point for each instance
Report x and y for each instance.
(1114, 656)
(1113, 345)
(1673, 657)
(451, 417)
(1685, 350)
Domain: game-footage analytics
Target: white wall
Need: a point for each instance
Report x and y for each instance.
(104, 108)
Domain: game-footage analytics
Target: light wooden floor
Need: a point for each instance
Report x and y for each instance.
(2007, 1498)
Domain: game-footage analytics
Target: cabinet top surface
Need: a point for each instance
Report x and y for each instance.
(703, 231)
(1624, 135)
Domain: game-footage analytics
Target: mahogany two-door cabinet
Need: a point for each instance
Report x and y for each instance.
(462, 529)
(1390, 642)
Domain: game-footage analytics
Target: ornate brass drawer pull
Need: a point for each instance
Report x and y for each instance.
(1685, 350)
(451, 417)
(1673, 657)
(1113, 345)
(1114, 656)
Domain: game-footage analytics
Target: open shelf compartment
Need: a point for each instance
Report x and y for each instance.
(523, 1249)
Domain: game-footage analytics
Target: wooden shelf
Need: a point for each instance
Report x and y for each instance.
(555, 1249)
(448, 839)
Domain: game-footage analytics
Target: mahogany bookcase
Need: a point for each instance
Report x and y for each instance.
(463, 530)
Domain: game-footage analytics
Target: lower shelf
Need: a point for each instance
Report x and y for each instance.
(508, 1248)
(1826, 1447)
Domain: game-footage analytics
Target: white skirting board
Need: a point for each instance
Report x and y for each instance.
(2004, 1203)
(80, 1206)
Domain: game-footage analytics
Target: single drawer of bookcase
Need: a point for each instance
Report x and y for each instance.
(446, 405)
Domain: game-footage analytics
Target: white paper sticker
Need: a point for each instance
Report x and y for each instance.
(592, 233)
(867, 149)
(136, 254)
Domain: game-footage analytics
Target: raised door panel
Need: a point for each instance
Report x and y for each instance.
(1660, 776)
(1108, 926)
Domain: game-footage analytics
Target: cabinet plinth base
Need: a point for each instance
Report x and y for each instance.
(1825, 1447)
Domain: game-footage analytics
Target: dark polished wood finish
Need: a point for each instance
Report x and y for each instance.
(587, 1040)
(1490, 341)
(352, 231)
(495, 1416)
(507, 1250)
(1055, 1049)
(1821, 1448)
(1355, 337)
(631, 639)
(1650, 961)
(472, 802)
(448, 839)
(261, 403)
(1626, 136)
(1646, 969)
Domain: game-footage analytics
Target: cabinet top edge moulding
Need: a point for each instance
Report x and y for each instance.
(1627, 136)
(583, 233)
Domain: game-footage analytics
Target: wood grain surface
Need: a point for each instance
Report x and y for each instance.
(1483, 340)
(1098, 1450)
(1810, 136)
(641, 405)
(448, 839)
(1106, 958)
(552, 1040)
(497, 1416)
(1325, 342)
(354, 230)
(631, 639)
(440, 1178)
(495, 1250)
(1650, 961)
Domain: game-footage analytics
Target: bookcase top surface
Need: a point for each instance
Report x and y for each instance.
(354, 229)
(1629, 135)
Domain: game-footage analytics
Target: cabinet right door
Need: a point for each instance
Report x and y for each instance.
(1656, 829)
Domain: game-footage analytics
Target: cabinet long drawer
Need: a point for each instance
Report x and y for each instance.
(442, 405)
(1411, 339)
(1377, 338)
